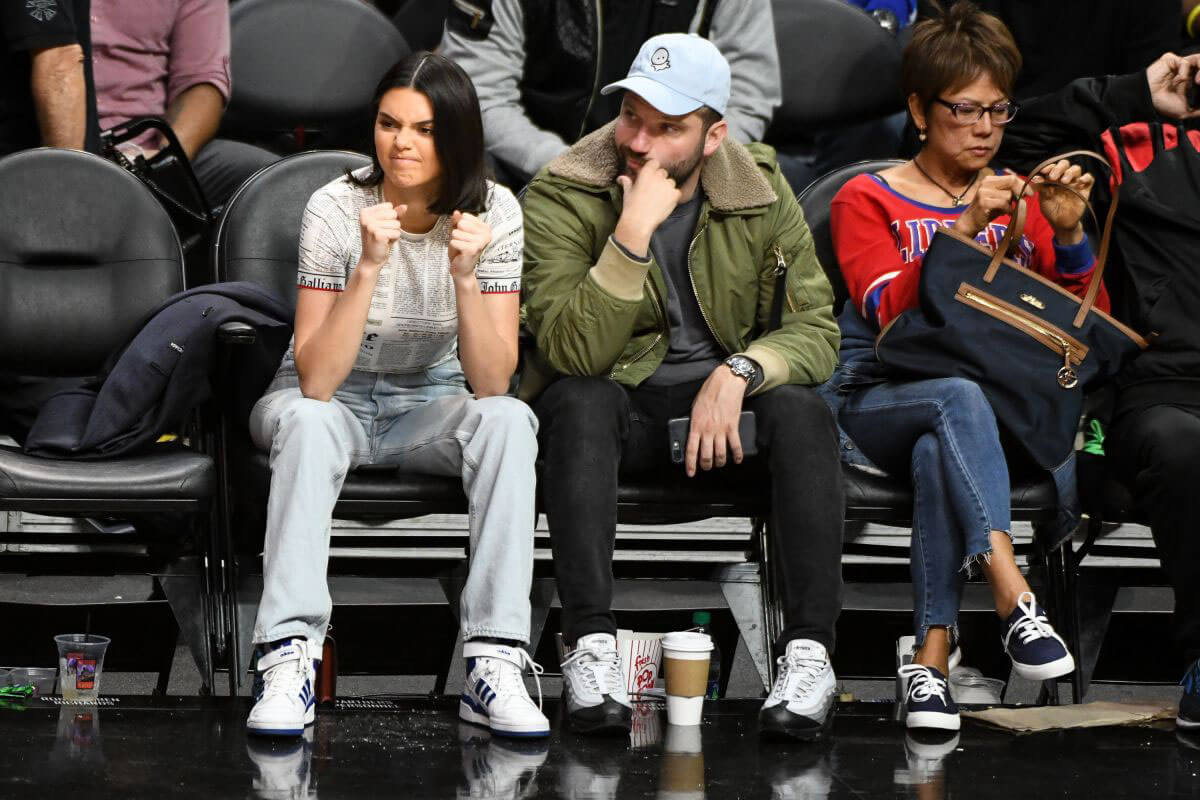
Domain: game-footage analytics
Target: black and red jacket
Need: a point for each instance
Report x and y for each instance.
(1153, 273)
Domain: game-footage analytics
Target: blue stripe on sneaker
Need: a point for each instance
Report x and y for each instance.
(474, 704)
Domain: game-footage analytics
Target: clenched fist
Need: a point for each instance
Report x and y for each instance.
(380, 227)
(995, 197)
(468, 238)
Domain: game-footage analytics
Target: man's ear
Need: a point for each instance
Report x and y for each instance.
(716, 134)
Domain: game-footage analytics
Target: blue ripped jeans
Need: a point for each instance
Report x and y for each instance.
(943, 433)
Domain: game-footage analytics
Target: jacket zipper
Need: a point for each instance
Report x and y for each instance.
(781, 269)
(695, 293)
(596, 78)
(622, 366)
(1045, 333)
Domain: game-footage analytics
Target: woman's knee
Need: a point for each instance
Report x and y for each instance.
(963, 395)
(508, 414)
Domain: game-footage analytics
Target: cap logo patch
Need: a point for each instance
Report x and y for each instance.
(660, 59)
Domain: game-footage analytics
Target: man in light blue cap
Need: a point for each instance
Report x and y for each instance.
(669, 273)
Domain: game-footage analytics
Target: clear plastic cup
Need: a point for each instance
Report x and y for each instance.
(80, 662)
(5, 676)
(42, 679)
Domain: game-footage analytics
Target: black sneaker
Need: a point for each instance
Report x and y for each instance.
(929, 703)
(1189, 702)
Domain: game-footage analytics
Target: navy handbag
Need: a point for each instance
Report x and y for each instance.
(1032, 346)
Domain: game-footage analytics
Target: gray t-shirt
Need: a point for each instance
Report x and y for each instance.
(693, 352)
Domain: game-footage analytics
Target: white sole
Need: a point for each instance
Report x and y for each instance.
(933, 719)
(277, 727)
(468, 714)
(1044, 672)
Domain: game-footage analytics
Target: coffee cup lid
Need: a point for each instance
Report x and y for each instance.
(687, 642)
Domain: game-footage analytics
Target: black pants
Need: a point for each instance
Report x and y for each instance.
(1156, 452)
(593, 430)
(223, 164)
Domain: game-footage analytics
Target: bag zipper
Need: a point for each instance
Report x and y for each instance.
(1072, 350)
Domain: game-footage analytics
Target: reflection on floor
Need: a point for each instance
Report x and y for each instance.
(144, 747)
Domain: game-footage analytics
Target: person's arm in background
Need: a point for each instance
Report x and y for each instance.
(198, 82)
(1075, 116)
(59, 95)
(744, 32)
(493, 54)
(57, 82)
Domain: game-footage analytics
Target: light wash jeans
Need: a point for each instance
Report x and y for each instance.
(944, 434)
(423, 422)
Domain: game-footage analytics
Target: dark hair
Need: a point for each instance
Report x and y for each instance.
(709, 116)
(457, 129)
(955, 46)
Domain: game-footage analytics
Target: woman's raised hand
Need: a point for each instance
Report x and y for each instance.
(468, 238)
(1063, 207)
(996, 196)
(380, 226)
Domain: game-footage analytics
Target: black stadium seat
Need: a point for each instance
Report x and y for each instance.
(307, 69)
(837, 66)
(86, 252)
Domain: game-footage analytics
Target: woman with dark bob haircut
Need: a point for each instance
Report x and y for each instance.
(409, 279)
(958, 72)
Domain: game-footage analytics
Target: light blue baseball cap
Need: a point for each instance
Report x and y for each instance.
(677, 73)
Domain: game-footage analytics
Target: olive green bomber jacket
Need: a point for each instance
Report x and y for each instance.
(594, 311)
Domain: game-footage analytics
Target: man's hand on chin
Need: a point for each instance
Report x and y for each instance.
(714, 427)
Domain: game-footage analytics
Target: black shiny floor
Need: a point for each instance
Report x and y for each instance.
(143, 747)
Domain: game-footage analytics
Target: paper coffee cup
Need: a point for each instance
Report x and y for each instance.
(685, 664)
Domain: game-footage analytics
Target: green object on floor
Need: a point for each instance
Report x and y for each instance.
(24, 690)
(1093, 439)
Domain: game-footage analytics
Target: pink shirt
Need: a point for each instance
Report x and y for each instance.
(145, 53)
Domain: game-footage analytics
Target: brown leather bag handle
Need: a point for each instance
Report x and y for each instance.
(1017, 226)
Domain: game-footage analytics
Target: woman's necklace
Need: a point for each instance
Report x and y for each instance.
(956, 198)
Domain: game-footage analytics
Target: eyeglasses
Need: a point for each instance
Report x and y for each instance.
(970, 113)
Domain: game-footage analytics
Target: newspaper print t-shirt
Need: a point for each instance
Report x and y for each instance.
(413, 320)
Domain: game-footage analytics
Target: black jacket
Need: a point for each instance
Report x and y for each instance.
(1153, 275)
(150, 386)
(580, 51)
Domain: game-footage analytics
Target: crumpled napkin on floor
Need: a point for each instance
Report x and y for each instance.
(1084, 715)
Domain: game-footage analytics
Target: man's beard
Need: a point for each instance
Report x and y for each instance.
(678, 171)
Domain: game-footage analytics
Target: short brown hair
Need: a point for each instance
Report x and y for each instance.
(953, 48)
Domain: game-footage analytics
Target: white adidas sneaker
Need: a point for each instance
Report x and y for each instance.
(285, 703)
(494, 693)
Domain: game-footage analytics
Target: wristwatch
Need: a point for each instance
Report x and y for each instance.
(745, 368)
(887, 20)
